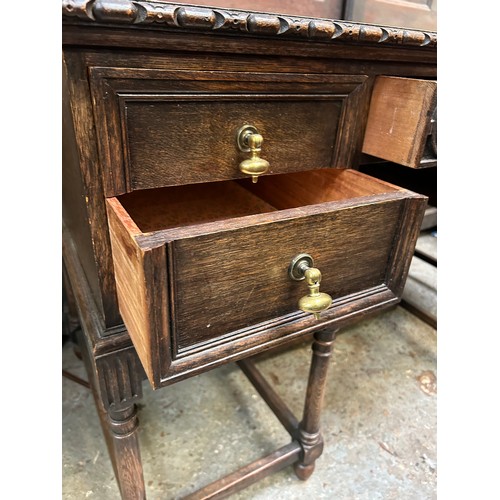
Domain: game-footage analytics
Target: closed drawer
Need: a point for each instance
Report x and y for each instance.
(202, 270)
(402, 122)
(161, 128)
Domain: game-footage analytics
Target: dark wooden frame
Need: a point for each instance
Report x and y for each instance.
(124, 33)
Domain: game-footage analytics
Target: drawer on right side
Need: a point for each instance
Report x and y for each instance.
(402, 122)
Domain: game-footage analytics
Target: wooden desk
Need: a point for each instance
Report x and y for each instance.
(177, 261)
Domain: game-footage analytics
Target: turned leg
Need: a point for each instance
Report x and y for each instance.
(120, 386)
(309, 434)
(123, 425)
(116, 381)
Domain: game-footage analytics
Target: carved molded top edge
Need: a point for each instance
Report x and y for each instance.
(211, 19)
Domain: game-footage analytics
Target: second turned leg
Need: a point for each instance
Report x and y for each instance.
(309, 429)
(126, 455)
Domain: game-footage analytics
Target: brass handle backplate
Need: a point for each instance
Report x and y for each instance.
(315, 301)
(250, 141)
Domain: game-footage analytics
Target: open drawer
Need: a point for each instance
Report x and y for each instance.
(202, 271)
(402, 122)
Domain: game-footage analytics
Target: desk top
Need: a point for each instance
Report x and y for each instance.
(165, 16)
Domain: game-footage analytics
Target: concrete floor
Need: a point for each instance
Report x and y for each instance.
(379, 423)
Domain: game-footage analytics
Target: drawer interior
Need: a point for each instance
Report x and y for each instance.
(178, 206)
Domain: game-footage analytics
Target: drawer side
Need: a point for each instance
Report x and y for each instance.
(133, 276)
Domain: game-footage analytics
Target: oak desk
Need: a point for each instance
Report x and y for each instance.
(212, 205)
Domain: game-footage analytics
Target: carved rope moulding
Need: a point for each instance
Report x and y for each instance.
(218, 20)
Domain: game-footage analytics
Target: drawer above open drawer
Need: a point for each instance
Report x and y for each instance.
(202, 271)
(161, 128)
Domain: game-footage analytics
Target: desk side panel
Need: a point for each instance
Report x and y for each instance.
(84, 210)
(74, 206)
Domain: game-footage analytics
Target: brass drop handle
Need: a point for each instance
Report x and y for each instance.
(315, 301)
(249, 140)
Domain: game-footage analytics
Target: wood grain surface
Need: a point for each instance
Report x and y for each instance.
(227, 281)
(399, 120)
(177, 206)
(317, 186)
(298, 135)
(130, 282)
(83, 196)
(149, 117)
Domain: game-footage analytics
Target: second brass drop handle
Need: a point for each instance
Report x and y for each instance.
(315, 301)
(249, 140)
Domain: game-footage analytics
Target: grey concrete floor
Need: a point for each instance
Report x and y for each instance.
(379, 423)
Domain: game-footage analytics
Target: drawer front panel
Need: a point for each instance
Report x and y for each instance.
(298, 135)
(225, 282)
(161, 128)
